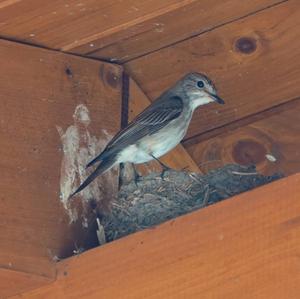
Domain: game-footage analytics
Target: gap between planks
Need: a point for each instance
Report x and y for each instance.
(249, 119)
(189, 37)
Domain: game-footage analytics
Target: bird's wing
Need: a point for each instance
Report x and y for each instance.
(153, 118)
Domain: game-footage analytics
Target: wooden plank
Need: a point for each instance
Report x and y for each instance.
(269, 142)
(178, 158)
(43, 95)
(246, 247)
(166, 28)
(64, 25)
(23, 282)
(124, 30)
(248, 81)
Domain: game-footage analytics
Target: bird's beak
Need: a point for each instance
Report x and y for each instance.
(216, 98)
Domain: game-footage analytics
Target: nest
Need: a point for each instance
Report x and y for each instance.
(155, 199)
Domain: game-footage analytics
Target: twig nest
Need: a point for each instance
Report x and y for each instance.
(155, 199)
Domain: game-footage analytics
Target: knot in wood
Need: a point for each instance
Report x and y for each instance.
(246, 45)
(248, 152)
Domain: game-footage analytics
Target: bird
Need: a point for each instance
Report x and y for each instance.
(157, 129)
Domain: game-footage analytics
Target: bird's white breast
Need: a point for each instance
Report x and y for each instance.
(157, 144)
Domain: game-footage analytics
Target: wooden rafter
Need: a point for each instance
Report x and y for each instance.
(266, 140)
(246, 247)
(248, 60)
(40, 92)
(117, 30)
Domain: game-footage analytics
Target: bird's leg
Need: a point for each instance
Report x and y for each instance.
(137, 176)
(124, 179)
(121, 175)
(164, 167)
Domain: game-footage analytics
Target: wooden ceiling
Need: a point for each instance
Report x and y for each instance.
(250, 49)
(249, 82)
(241, 45)
(118, 30)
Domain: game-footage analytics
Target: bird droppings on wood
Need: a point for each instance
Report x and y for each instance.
(79, 147)
(271, 158)
(153, 200)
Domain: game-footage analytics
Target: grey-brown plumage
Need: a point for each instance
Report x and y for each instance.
(159, 128)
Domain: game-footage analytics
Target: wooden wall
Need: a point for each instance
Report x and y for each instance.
(40, 91)
(254, 71)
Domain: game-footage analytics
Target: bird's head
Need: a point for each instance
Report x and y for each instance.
(199, 89)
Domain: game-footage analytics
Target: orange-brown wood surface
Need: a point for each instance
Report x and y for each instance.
(255, 63)
(13, 282)
(121, 29)
(40, 90)
(67, 25)
(172, 25)
(178, 158)
(270, 141)
(245, 247)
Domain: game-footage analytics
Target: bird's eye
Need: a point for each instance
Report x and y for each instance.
(200, 84)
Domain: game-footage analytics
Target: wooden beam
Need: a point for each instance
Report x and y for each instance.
(245, 247)
(248, 60)
(40, 92)
(13, 282)
(125, 29)
(65, 26)
(267, 140)
(169, 27)
(177, 158)
(53, 107)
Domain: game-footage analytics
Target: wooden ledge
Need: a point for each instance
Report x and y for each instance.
(245, 247)
(12, 280)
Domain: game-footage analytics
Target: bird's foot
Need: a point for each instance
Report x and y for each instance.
(164, 170)
(137, 177)
(164, 167)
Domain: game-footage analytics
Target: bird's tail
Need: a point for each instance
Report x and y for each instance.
(98, 158)
(101, 168)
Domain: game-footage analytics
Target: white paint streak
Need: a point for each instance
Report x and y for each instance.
(79, 147)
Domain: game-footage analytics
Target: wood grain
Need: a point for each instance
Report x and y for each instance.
(120, 30)
(12, 282)
(40, 90)
(254, 62)
(172, 26)
(246, 247)
(65, 25)
(178, 158)
(269, 142)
